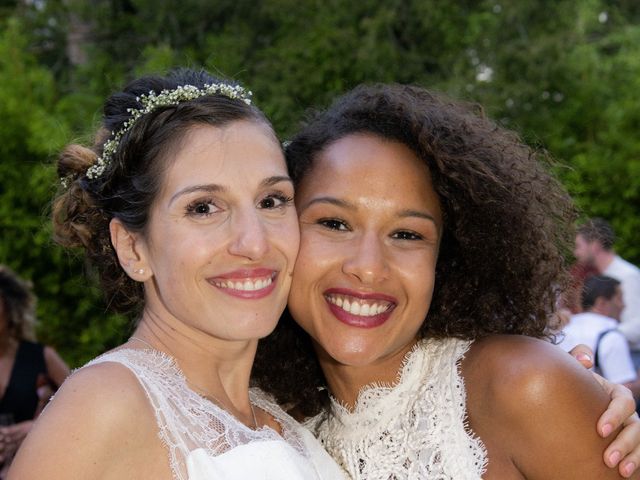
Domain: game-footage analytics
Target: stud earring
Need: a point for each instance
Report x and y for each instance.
(140, 271)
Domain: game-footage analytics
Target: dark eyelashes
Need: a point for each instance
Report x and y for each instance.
(333, 223)
(283, 199)
(208, 206)
(407, 235)
(341, 225)
(193, 207)
(287, 199)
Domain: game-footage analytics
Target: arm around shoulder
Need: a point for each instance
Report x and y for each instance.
(91, 420)
(538, 408)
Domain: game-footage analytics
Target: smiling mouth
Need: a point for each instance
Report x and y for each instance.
(247, 285)
(359, 306)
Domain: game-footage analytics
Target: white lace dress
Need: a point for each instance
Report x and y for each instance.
(205, 442)
(413, 430)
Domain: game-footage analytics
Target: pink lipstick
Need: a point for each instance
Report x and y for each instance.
(357, 309)
(251, 284)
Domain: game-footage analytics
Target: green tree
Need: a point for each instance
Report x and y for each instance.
(33, 129)
(564, 74)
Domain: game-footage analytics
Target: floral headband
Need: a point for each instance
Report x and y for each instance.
(152, 101)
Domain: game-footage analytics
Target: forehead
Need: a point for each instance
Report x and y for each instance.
(367, 167)
(240, 150)
(367, 156)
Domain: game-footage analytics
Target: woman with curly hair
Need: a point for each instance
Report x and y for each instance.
(431, 249)
(29, 371)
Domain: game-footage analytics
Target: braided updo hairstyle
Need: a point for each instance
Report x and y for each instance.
(132, 179)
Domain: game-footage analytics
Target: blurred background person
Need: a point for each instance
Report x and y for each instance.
(29, 371)
(597, 327)
(571, 300)
(594, 247)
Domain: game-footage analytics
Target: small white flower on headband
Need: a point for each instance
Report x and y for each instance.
(165, 98)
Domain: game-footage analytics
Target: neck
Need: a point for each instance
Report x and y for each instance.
(213, 367)
(602, 311)
(603, 259)
(345, 381)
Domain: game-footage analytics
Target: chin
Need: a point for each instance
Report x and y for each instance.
(255, 328)
(353, 356)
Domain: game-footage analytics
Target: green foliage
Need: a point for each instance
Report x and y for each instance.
(33, 129)
(564, 74)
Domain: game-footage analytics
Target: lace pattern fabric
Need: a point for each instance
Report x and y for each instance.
(187, 421)
(415, 429)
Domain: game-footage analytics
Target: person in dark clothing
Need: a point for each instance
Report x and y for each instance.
(29, 371)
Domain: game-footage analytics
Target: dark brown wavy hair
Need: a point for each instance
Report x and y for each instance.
(127, 189)
(506, 225)
(18, 304)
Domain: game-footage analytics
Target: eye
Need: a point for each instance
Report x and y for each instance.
(202, 208)
(406, 235)
(275, 200)
(333, 224)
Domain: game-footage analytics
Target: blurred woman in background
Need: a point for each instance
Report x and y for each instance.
(29, 371)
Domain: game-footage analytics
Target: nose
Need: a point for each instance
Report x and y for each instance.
(367, 260)
(249, 236)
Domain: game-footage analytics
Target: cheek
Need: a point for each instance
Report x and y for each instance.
(418, 276)
(317, 258)
(306, 288)
(288, 238)
(176, 250)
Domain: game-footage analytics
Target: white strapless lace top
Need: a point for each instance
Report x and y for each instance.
(413, 430)
(205, 442)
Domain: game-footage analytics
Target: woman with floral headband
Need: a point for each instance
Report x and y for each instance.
(185, 208)
(431, 241)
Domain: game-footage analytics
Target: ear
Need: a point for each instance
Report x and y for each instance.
(595, 246)
(600, 304)
(131, 251)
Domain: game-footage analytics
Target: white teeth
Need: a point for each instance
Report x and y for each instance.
(359, 307)
(247, 285)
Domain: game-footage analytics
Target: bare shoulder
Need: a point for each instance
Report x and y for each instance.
(109, 390)
(97, 413)
(535, 408)
(518, 373)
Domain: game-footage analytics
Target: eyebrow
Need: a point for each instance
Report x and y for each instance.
(350, 206)
(215, 188)
(417, 213)
(330, 201)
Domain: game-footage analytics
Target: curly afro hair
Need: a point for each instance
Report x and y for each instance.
(507, 225)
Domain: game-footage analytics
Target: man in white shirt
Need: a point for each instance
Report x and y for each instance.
(597, 327)
(594, 247)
